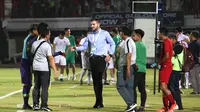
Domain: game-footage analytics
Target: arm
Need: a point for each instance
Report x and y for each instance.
(84, 46)
(51, 61)
(111, 42)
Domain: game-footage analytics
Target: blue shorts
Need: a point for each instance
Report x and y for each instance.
(25, 70)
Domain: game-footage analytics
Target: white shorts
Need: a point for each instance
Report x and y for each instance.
(111, 64)
(85, 62)
(61, 60)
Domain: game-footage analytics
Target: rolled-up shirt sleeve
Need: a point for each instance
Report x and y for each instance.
(84, 46)
(111, 42)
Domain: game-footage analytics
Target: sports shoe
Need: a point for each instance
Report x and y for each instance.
(81, 82)
(74, 77)
(141, 109)
(98, 106)
(68, 77)
(173, 107)
(131, 108)
(27, 107)
(61, 77)
(163, 109)
(46, 109)
(36, 107)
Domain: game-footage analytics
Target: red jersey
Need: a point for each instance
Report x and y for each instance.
(167, 48)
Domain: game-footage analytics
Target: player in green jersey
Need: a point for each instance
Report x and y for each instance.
(70, 57)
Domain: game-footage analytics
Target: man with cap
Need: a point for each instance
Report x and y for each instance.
(177, 62)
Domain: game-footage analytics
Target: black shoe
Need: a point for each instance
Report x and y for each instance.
(46, 109)
(141, 109)
(193, 93)
(36, 108)
(106, 83)
(98, 106)
(81, 82)
(131, 108)
(27, 107)
(180, 108)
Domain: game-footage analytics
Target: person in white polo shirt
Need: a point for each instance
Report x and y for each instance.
(184, 40)
(60, 44)
(42, 60)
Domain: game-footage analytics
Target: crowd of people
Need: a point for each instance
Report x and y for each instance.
(65, 8)
(122, 50)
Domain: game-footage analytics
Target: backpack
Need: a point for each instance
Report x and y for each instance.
(188, 60)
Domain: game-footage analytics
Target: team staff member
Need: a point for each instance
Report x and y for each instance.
(98, 39)
(125, 73)
(194, 48)
(70, 57)
(166, 69)
(177, 62)
(42, 58)
(140, 75)
(60, 44)
(25, 68)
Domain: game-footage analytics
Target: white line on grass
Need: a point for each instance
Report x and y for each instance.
(15, 92)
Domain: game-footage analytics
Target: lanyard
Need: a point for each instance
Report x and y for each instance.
(94, 40)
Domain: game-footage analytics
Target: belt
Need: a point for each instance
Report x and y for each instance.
(98, 56)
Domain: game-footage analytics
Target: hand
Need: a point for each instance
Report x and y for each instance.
(128, 74)
(56, 75)
(107, 58)
(73, 48)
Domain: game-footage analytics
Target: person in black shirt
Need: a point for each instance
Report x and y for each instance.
(194, 48)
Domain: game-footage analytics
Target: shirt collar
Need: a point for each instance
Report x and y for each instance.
(95, 32)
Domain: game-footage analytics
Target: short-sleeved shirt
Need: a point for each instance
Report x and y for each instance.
(130, 48)
(72, 40)
(60, 44)
(122, 57)
(167, 48)
(141, 56)
(181, 39)
(117, 40)
(40, 62)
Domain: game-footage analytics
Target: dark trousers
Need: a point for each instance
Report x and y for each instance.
(174, 87)
(41, 80)
(98, 65)
(140, 82)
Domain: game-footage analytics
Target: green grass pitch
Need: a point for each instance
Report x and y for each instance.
(69, 96)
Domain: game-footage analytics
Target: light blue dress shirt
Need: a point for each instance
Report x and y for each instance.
(99, 41)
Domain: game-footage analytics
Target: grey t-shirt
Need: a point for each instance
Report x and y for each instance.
(40, 62)
(122, 59)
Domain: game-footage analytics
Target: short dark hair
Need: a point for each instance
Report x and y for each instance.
(95, 20)
(164, 31)
(140, 32)
(44, 33)
(33, 27)
(115, 30)
(66, 29)
(179, 29)
(172, 35)
(126, 31)
(62, 33)
(195, 34)
(42, 27)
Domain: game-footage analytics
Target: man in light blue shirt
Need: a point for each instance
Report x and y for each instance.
(98, 40)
